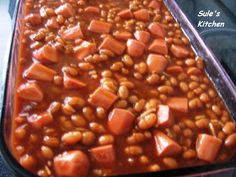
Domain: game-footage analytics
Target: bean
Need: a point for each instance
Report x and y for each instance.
(100, 112)
(76, 102)
(212, 93)
(216, 110)
(86, 66)
(88, 113)
(154, 167)
(144, 159)
(51, 141)
(188, 133)
(202, 123)
(183, 86)
(133, 99)
(69, 70)
(107, 73)
(204, 98)
(47, 152)
(117, 66)
(20, 132)
(189, 154)
(138, 75)
(193, 85)
(20, 150)
(138, 107)
(27, 161)
(141, 67)
(152, 79)
(133, 150)
(107, 52)
(221, 135)
(97, 128)
(128, 61)
(57, 80)
(121, 104)
(228, 128)
(230, 141)
(106, 139)
(136, 137)
(176, 129)
(173, 81)
(152, 104)
(165, 89)
(128, 84)
(170, 162)
(123, 92)
(189, 123)
(190, 62)
(54, 107)
(71, 138)
(67, 109)
(147, 121)
(78, 120)
(195, 103)
(88, 138)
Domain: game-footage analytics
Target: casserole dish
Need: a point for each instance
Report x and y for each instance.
(216, 73)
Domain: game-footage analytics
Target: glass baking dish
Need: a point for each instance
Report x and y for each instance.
(225, 87)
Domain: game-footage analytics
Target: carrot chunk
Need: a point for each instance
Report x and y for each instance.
(157, 30)
(135, 48)
(156, 63)
(179, 51)
(102, 98)
(113, 45)
(52, 23)
(122, 35)
(174, 70)
(208, 147)
(120, 121)
(97, 26)
(65, 10)
(159, 46)
(85, 49)
(40, 120)
(126, 14)
(142, 36)
(72, 83)
(165, 146)
(142, 15)
(46, 54)
(104, 155)
(71, 164)
(30, 91)
(72, 33)
(40, 72)
(154, 5)
(92, 9)
(178, 104)
(165, 116)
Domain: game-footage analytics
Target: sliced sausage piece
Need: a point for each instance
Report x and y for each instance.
(33, 19)
(142, 36)
(40, 72)
(102, 98)
(104, 155)
(92, 9)
(165, 117)
(135, 48)
(71, 164)
(52, 23)
(156, 63)
(142, 15)
(154, 5)
(159, 46)
(46, 54)
(126, 14)
(157, 30)
(120, 121)
(85, 49)
(122, 35)
(178, 104)
(72, 33)
(179, 51)
(112, 45)
(40, 120)
(66, 10)
(174, 70)
(101, 27)
(72, 83)
(165, 146)
(30, 91)
(208, 147)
